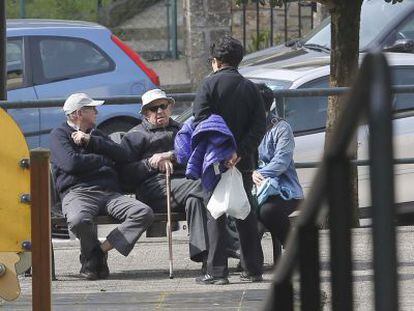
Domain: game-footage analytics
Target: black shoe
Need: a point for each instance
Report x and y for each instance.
(89, 269)
(207, 279)
(104, 269)
(244, 276)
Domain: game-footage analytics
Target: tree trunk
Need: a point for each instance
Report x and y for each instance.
(345, 20)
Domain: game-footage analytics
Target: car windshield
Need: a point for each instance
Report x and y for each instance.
(376, 15)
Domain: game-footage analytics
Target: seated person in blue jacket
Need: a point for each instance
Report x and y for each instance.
(150, 146)
(83, 162)
(276, 180)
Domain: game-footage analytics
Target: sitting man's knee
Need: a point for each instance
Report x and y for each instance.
(142, 213)
(78, 220)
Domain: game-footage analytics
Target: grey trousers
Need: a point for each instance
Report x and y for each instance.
(81, 205)
(186, 195)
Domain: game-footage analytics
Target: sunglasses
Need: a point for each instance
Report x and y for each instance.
(155, 108)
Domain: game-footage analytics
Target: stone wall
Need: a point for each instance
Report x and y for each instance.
(204, 21)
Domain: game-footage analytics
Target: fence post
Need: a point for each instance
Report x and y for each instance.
(286, 31)
(244, 27)
(382, 187)
(22, 9)
(339, 201)
(299, 19)
(3, 43)
(257, 26)
(309, 267)
(174, 29)
(41, 236)
(271, 25)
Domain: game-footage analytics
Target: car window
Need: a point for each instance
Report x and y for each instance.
(376, 16)
(66, 58)
(14, 51)
(307, 113)
(403, 76)
(406, 31)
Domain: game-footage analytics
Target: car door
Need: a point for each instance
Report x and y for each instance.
(307, 116)
(65, 65)
(19, 88)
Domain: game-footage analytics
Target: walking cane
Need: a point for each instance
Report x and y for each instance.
(169, 232)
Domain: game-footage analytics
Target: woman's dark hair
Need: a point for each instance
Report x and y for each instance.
(227, 50)
(267, 95)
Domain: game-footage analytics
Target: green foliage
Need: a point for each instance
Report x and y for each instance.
(259, 42)
(55, 9)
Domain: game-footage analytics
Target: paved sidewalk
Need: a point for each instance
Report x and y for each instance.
(140, 281)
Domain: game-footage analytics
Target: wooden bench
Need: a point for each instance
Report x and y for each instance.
(157, 229)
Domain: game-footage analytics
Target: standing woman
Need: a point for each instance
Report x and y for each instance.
(278, 190)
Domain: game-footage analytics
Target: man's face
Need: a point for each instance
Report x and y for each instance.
(87, 117)
(158, 112)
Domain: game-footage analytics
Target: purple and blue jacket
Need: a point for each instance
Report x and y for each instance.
(205, 149)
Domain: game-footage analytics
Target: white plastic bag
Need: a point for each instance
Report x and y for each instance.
(229, 196)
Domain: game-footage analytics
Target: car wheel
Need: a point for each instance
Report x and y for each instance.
(116, 129)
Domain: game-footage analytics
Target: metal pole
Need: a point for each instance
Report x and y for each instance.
(382, 185)
(271, 26)
(174, 29)
(41, 236)
(167, 6)
(3, 42)
(313, 4)
(244, 27)
(299, 19)
(22, 9)
(339, 201)
(286, 33)
(257, 26)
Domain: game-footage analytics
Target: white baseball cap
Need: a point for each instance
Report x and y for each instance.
(78, 100)
(154, 94)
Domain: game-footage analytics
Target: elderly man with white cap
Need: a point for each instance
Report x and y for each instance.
(150, 146)
(83, 162)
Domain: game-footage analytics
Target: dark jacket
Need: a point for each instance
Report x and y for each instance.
(236, 99)
(91, 165)
(141, 143)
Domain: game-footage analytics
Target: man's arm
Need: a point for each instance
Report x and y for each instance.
(202, 103)
(255, 133)
(138, 168)
(101, 144)
(68, 159)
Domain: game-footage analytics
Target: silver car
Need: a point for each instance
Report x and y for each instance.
(307, 115)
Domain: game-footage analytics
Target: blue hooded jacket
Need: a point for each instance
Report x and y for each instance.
(204, 149)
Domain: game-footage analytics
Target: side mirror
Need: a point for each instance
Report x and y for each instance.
(401, 45)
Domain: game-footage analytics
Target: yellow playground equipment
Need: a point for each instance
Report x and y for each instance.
(15, 218)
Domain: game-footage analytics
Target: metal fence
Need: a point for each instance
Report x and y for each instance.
(261, 26)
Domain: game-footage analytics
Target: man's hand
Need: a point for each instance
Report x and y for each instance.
(162, 166)
(257, 178)
(80, 138)
(232, 161)
(156, 158)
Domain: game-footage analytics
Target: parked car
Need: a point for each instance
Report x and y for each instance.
(52, 59)
(307, 116)
(385, 25)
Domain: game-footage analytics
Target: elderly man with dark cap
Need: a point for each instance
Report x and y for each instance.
(150, 147)
(83, 163)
